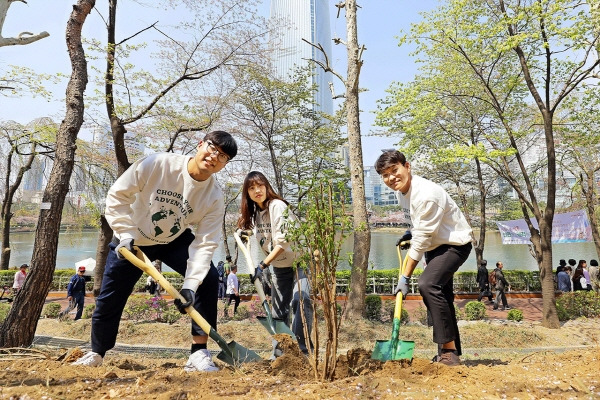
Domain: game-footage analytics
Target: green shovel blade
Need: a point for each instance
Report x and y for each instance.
(237, 354)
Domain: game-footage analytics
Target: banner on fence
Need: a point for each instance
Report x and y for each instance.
(567, 228)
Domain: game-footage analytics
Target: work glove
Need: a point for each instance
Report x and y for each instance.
(188, 295)
(404, 238)
(402, 286)
(126, 244)
(258, 273)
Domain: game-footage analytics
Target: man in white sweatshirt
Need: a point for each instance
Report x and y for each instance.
(441, 233)
(171, 206)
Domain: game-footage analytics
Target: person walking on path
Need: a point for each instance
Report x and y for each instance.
(171, 206)
(76, 291)
(501, 285)
(483, 281)
(19, 278)
(594, 272)
(222, 277)
(233, 290)
(267, 214)
(441, 233)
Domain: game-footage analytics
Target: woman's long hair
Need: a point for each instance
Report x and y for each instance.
(248, 207)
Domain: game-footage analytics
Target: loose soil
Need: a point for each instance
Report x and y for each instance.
(501, 360)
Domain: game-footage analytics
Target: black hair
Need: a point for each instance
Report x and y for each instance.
(388, 159)
(224, 141)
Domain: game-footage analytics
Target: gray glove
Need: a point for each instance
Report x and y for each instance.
(126, 244)
(258, 273)
(402, 286)
(188, 295)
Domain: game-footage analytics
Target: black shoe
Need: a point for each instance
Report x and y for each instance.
(495, 308)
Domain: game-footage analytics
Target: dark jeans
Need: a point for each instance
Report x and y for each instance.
(435, 285)
(79, 299)
(120, 277)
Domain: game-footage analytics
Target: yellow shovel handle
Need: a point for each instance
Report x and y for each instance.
(402, 266)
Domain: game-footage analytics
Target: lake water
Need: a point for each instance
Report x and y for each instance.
(73, 247)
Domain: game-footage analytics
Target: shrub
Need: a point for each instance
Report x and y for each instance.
(515, 315)
(241, 313)
(171, 315)
(88, 311)
(373, 307)
(578, 304)
(137, 307)
(4, 308)
(474, 310)
(404, 317)
(389, 307)
(458, 312)
(51, 310)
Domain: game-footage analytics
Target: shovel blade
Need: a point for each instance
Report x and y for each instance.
(386, 350)
(276, 326)
(238, 355)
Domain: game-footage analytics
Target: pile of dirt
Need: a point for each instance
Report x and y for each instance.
(519, 373)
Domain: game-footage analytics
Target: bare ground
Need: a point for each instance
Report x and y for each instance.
(501, 360)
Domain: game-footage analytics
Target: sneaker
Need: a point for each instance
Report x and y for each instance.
(200, 360)
(450, 359)
(90, 359)
(507, 308)
(436, 358)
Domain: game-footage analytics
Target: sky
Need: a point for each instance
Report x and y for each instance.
(379, 23)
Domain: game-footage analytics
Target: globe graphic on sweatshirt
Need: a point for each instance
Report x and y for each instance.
(166, 223)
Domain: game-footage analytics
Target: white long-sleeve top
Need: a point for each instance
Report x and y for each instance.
(156, 199)
(19, 279)
(270, 228)
(435, 217)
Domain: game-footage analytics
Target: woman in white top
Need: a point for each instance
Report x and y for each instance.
(267, 214)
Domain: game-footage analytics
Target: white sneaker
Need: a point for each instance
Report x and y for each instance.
(91, 359)
(201, 360)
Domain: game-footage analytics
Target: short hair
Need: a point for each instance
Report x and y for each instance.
(24, 266)
(483, 263)
(228, 258)
(389, 158)
(594, 263)
(572, 262)
(498, 263)
(224, 141)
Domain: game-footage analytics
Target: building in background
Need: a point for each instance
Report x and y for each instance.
(309, 20)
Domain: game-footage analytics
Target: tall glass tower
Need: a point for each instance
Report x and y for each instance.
(310, 21)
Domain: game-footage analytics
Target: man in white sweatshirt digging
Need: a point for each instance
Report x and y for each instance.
(171, 207)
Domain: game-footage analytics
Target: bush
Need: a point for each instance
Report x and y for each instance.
(171, 315)
(573, 305)
(515, 315)
(475, 310)
(373, 307)
(457, 311)
(241, 313)
(388, 312)
(137, 307)
(51, 310)
(4, 308)
(88, 311)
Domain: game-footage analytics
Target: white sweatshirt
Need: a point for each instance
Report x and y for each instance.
(270, 229)
(435, 217)
(156, 199)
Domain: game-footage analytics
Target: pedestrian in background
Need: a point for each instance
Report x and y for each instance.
(501, 285)
(483, 281)
(20, 276)
(594, 275)
(233, 290)
(76, 291)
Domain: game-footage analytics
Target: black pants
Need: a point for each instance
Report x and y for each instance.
(435, 286)
(120, 277)
(484, 292)
(236, 301)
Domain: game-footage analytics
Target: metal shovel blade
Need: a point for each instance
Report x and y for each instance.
(386, 350)
(237, 354)
(278, 326)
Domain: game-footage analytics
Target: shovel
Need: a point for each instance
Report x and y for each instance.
(273, 325)
(232, 353)
(395, 349)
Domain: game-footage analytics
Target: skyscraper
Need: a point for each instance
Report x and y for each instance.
(309, 20)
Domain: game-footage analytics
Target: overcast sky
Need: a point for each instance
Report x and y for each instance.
(380, 21)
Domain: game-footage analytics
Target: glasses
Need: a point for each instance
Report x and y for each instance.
(212, 149)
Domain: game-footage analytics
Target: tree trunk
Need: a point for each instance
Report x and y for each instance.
(19, 326)
(7, 201)
(362, 232)
(589, 194)
(101, 253)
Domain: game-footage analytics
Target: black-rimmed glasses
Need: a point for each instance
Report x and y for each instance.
(212, 149)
